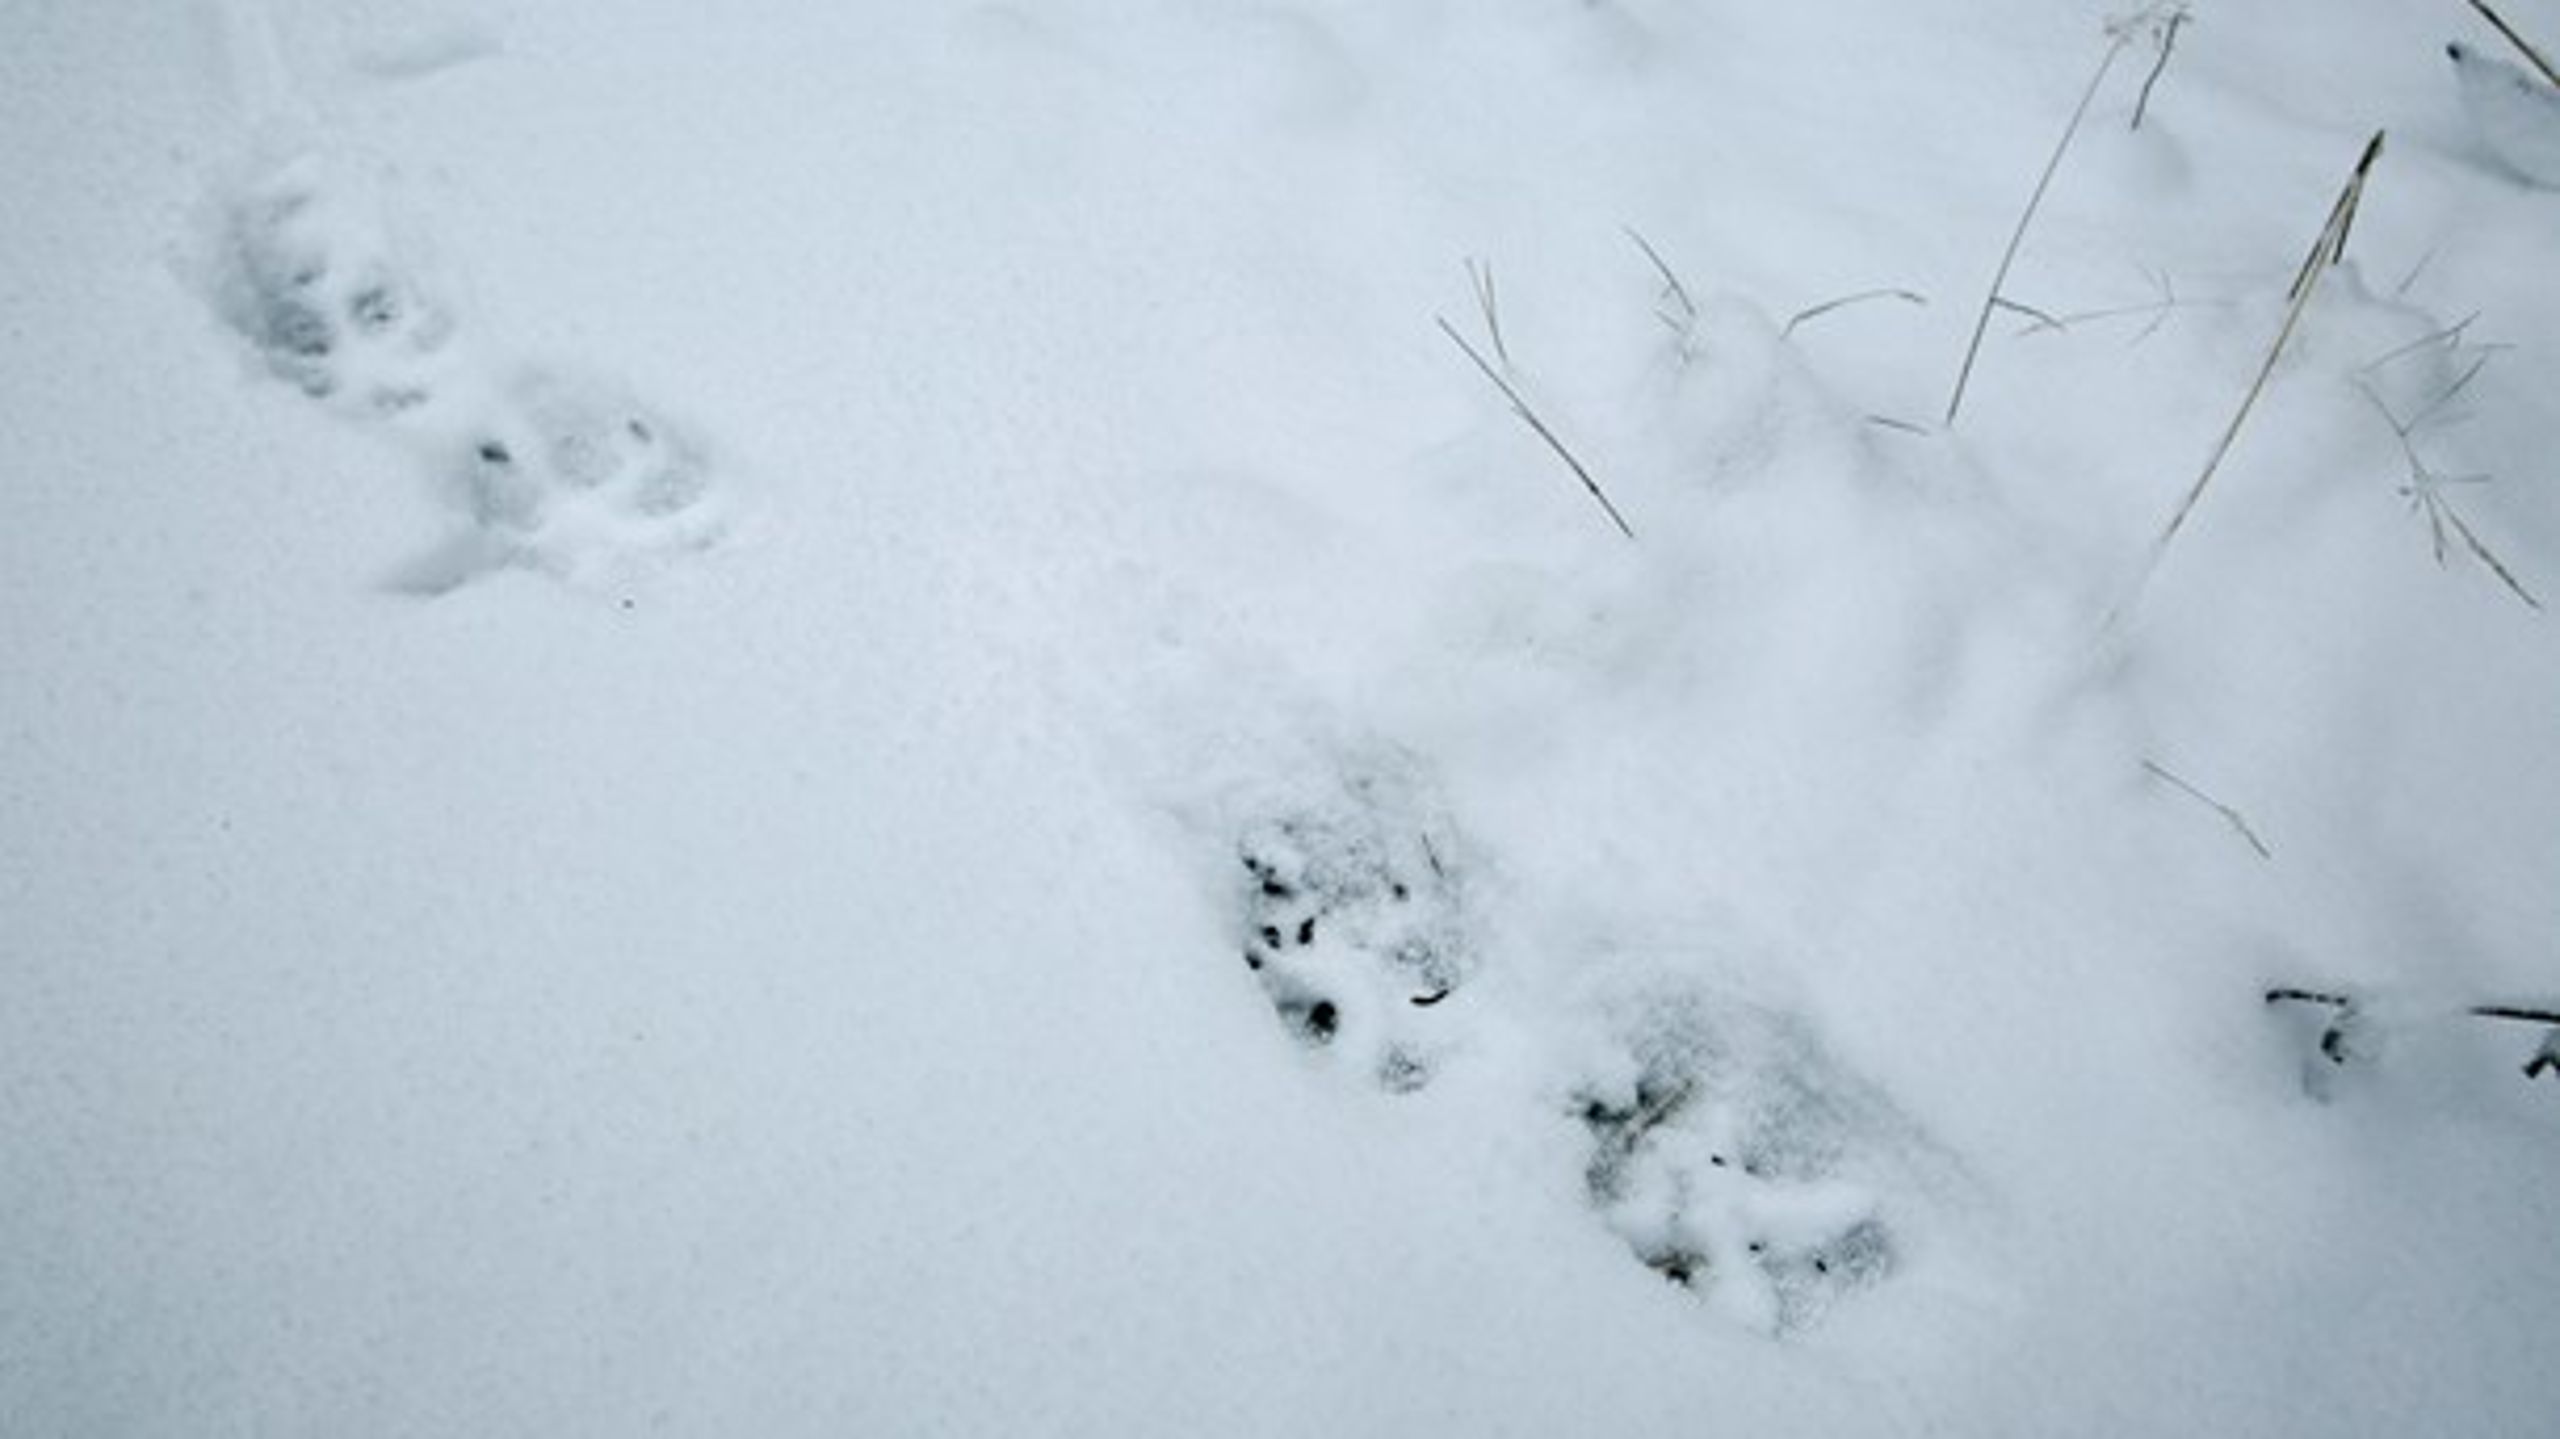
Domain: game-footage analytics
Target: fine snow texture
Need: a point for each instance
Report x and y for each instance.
(818, 719)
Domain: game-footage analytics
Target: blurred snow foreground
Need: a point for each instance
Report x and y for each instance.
(1019, 803)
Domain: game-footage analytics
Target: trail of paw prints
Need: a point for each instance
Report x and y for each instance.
(1739, 1161)
(1351, 910)
(1727, 1149)
(547, 470)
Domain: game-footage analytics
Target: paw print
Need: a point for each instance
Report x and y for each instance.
(565, 475)
(311, 280)
(1352, 917)
(566, 470)
(1725, 1166)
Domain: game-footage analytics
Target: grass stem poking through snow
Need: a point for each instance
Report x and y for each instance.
(2230, 816)
(2121, 36)
(2425, 488)
(1489, 305)
(1680, 308)
(2157, 312)
(2327, 250)
(2163, 28)
(2518, 41)
(1529, 417)
(1908, 297)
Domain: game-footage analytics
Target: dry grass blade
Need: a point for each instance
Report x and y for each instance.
(2326, 251)
(1908, 297)
(2039, 319)
(2165, 35)
(2425, 489)
(2026, 217)
(2483, 554)
(1673, 292)
(1529, 417)
(2154, 313)
(2230, 816)
(2518, 41)
(2448, 336)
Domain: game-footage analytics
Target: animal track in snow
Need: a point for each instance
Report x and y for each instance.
(1736, 1159)
(311, 279)
(1352, 914)
(550, 470)
(1727, 1149)
(568, 475)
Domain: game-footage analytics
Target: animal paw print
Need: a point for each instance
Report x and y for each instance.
(1353, 919)
(1723, 1165)
(564, 475)
(568, 472)
(311, 280)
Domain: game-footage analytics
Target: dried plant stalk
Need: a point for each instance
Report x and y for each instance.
(2326, 251)
(2026, 217)
(1529, 417)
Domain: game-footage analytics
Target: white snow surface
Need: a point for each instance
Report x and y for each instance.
(660, 660)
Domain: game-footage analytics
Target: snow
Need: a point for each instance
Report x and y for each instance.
(732, 914)
(2516, 114)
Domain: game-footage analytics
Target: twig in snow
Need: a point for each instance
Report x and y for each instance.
(2545, 1057)
(2517, 41)
(2348, 1011)
(2017, 237)
(2337, 1037)
(1529, 417)
(1908, 297)
(2230, 816)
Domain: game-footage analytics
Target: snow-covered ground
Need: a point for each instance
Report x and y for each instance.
(809, 718)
